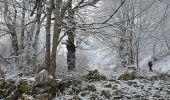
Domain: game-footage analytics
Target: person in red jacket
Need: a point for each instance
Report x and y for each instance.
(150, 64)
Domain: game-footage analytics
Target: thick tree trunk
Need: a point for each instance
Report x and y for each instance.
(59, 15)
(71, 51)
(36, 38)
(57, 30)
(48, 26)
(11, 24)
(70, 42)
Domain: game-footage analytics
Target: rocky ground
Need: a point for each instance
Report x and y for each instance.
(131, 84)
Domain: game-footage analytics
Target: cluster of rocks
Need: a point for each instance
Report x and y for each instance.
(128, 85)
(22, 89)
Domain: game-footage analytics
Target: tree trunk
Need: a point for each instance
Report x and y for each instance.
(36, 39)
(22, 24)
(11, 26)
(57, 30)
(70, 42)
(48, 26)
(59, 15)
(71, 51)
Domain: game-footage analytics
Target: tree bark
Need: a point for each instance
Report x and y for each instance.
(23, 27)
(57, 30)
(11, 26)
(48, 26)
(70, 42)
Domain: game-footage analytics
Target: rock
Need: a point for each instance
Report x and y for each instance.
(168, 91)
(13, 96)
(119, 92)
(130, 83)
(93, 96)
(2, 83)
(94, 76)
(43, 79)
(41, 90)
(45, 96)
(76, 97)
(91, 88)
(4, 93)
(162, 76)
(105, 93)
(117, 97)
(157, 95)
(108, 85)
(115, 87)
(2, 73)
(137, 96)
(26, 97)
(24, 88)
(62, 85)
(132, 68)
(153, 78)
(75, 90)
(85, 93)
(127, 76)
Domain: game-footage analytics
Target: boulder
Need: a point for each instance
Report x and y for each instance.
(129, 75)
(105, 93)
(91, 88)
(85, 93)
(44, 96)
(2, 73)
(43, 79)
(2, 83)
(26, 97)
(95, 76)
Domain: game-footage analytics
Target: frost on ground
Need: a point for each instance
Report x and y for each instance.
(106, 83)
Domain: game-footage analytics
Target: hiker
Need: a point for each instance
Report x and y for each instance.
(150, 64)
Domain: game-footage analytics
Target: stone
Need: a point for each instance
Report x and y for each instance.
(26, 97)
(44, 96)
(108, 85)
(91, 88)
(2, 73)
(76, 97)
(127, 76)
(2, 83)
(43, 79)
(93, 96)
(115, 87)
(3, 92)
(117, 97)
(85, 93)
(94, 76)
(62, 85)
(105, 93)
(119, 92)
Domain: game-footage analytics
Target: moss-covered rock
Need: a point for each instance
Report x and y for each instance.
(62, 85)
(119, 92)
(85, 93)
(76, 97)
(153, 78)
(91, 88)
(94, 76)
(93, 96)
(105, 93)
(24, 88)
(127, 76)
(117, 97)
(108, 85)
(114, 87)
(44, 96)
